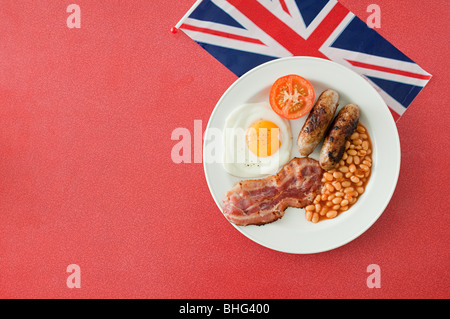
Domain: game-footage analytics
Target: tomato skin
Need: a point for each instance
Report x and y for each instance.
(292, 96)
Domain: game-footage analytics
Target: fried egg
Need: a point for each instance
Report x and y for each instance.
(257, 141)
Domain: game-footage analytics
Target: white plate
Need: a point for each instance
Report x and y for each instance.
(292, 233)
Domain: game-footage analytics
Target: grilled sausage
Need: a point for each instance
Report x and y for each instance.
(340, 131)
(318, 121)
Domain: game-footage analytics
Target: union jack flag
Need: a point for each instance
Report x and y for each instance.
(243, 34)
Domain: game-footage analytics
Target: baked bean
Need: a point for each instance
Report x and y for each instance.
(360, 190)
(367, 163)
(346, 184)
(330, 187)
(365, 145)
(308, 215)
(310, 207)
(343, 169)
(332, 214)
(349, 159)
(352, 168)
(364, 167)
(337, 175)
(336, 185)
(356, 159)
(354, 179)
(347, 145)
(354, 136)
(315, 218)
(352, 152)
(328, 176)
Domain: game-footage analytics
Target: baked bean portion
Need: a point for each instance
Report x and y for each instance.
(342, 186)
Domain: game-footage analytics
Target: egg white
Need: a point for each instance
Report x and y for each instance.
(238, 159)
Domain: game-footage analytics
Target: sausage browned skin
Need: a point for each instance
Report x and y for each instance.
(340, 131)
(318, 121)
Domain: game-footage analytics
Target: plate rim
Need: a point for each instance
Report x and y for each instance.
(396, 140)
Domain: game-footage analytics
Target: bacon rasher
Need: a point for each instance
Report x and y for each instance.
(258, 202)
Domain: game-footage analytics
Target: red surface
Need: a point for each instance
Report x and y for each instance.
(86, 176)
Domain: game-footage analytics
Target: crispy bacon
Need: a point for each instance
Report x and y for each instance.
(258, 202)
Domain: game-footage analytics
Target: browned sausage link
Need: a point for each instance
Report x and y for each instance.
(318, 121)
(340, 131)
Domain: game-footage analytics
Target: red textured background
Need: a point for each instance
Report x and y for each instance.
(86, 176)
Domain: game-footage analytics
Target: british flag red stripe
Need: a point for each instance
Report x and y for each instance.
(220, 33)
(245, 33)
(385, 69)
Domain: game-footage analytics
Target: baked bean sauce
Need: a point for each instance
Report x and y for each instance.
(342, 186)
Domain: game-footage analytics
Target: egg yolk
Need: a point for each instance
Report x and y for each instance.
(263, 138)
